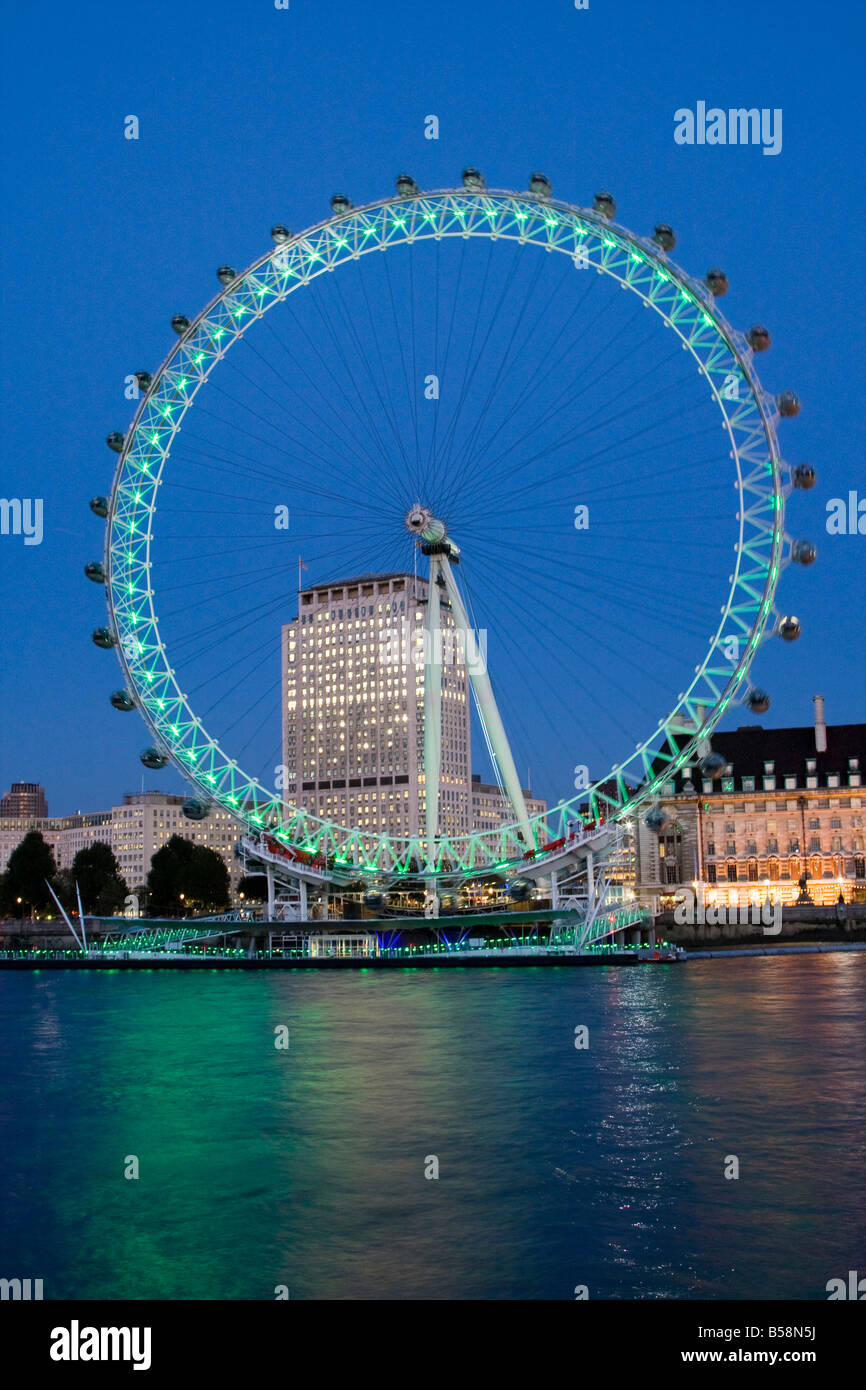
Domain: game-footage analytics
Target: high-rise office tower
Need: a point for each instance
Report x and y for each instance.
(353, 665)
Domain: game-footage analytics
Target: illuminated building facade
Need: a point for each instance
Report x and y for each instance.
(23, 799)
(135, 830)
(490, 808)
(353, 707)
(789, 803)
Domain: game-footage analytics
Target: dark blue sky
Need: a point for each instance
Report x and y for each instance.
(250, 116)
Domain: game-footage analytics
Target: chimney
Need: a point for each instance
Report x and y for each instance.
(820, 726)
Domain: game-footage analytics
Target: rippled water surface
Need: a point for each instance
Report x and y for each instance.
(558, 1166)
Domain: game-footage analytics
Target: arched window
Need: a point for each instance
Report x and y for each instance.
(753, 870)
(773, 870)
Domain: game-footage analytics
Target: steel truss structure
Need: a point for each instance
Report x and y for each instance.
(747, 413)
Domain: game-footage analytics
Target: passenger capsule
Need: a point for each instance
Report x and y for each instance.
(99, 506)
(103, 637)
(605, 204)
(180, 323)
(519, 891)
(539, 184)
(758, 701)
(95, 572)
(115, 441)
(226, 274)
(144, 379)
(655, 818)
(195, 810)
(804, 552)
(789, 404)
(759, 338)
(790, 629)
(803, 476)
(280, 233)
(473, 179)
(406, 185)
(154, 759)
(712, 765)
(664, 237)
(340, 204)
(717, 283)
(121, 699)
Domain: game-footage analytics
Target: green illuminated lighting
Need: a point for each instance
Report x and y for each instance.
(220, 332)
(240, 310)
(154, 439)
(200, 358)
(609, 242)
(181, 384)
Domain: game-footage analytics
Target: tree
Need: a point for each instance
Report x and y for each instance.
(254, 887)
(97, 873)
(185, 876)
(30, 864)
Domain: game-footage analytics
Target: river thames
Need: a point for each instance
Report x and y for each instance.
(302, 1167)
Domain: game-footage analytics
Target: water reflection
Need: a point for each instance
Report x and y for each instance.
(558, 1166)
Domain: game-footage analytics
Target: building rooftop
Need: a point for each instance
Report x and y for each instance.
(358, 579)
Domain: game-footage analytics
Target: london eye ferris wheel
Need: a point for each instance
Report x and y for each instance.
(528, 408)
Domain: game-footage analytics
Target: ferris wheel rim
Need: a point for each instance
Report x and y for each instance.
(650, 255)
